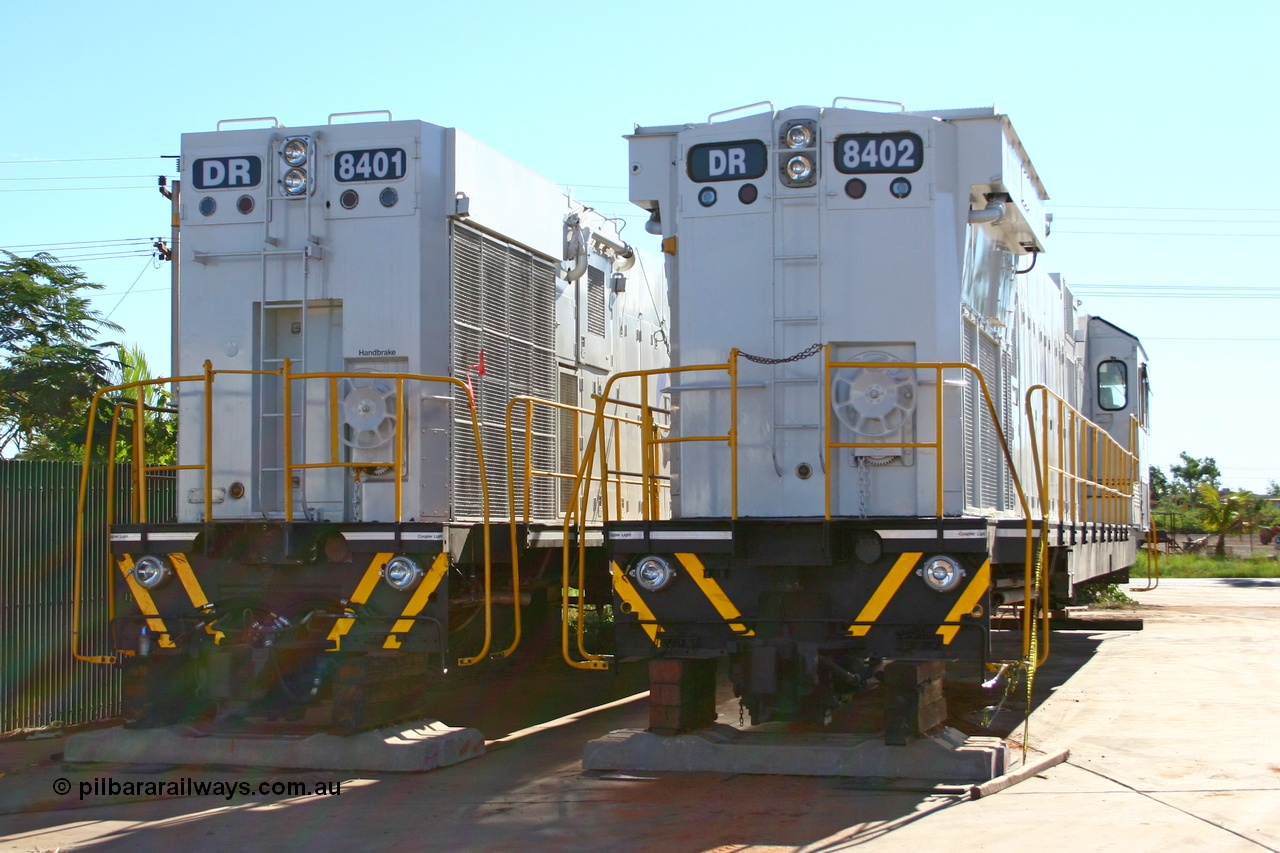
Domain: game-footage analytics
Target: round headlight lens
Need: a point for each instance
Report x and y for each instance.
(295, 182)
(652, 573)
(942, 573)
(150, 571)
(402, 573)
(799, 168)
(799, 136)
(294, 152)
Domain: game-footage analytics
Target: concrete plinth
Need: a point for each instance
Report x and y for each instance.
(946, 757)
(406, 748)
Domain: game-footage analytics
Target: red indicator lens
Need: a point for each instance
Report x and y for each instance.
(855, 188)
(244, 204)
(747, 193)
(349, 199)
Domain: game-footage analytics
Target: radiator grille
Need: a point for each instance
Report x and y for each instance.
(568, 448)
(595, 302)
(504, 303)
(969, 421)
(988, 443)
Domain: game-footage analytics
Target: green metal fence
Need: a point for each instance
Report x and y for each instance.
(40, 683)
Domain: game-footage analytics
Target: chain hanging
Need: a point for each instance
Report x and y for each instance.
(800, 356)
(864, 486)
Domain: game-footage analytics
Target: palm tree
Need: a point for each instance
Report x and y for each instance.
(1221, 514)
(160, 425)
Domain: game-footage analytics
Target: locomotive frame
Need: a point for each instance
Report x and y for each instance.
(854, 501)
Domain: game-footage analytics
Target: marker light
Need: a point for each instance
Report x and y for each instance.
(747, 193)
(941, 573)
(150, 571)
(349, 199)
(294, 151)
(245, 204)
(652, 573)
(388, 197)
(295, 182)
(402, 573)
(855, 188)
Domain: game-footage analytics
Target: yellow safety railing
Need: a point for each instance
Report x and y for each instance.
(653, 436)
(522, 510)
(1084, 477)
(830, 444)
(653, 444)
(1152, 546)
(290, 465)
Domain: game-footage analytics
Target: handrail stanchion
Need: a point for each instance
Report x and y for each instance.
(208, 441)
(286, 420)
(938, 437)
(733, 433)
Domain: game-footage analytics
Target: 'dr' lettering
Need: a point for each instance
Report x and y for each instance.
(727, 161)
(211, 173)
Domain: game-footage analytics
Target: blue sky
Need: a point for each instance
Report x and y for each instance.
(1151, 125)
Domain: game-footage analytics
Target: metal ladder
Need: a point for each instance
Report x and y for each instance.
(271, 415)
(797, 248)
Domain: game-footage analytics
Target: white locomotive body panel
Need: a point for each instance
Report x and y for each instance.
(412, 249)
(913, 239)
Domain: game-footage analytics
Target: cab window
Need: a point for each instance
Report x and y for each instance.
(1113, 383)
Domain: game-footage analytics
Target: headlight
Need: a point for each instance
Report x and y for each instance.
(402, 573)
(799, 136)
(799, 168)
(150, 572)
(295, 182)
(942, 573)
(294, 151)
(652, 573)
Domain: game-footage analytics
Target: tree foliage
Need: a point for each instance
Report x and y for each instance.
(50, 364)
(1192, 473)
(1222, 513)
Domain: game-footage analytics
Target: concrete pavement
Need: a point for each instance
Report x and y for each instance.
(1171, 732)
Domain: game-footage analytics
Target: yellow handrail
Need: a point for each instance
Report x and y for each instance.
(651, 442)
(207, 378)
(1089, 501)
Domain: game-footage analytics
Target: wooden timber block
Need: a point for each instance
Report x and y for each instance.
(914, 702)
(682, 694)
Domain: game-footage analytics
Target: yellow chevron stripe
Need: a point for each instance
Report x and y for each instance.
(968, 599)
(714, 593)
(888, 587)
(195, 592)
(145, 603)
(419, 600)
(363, 590)
(627, 592)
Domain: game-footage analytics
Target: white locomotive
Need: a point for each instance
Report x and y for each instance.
(886, 417)
(356, 306)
